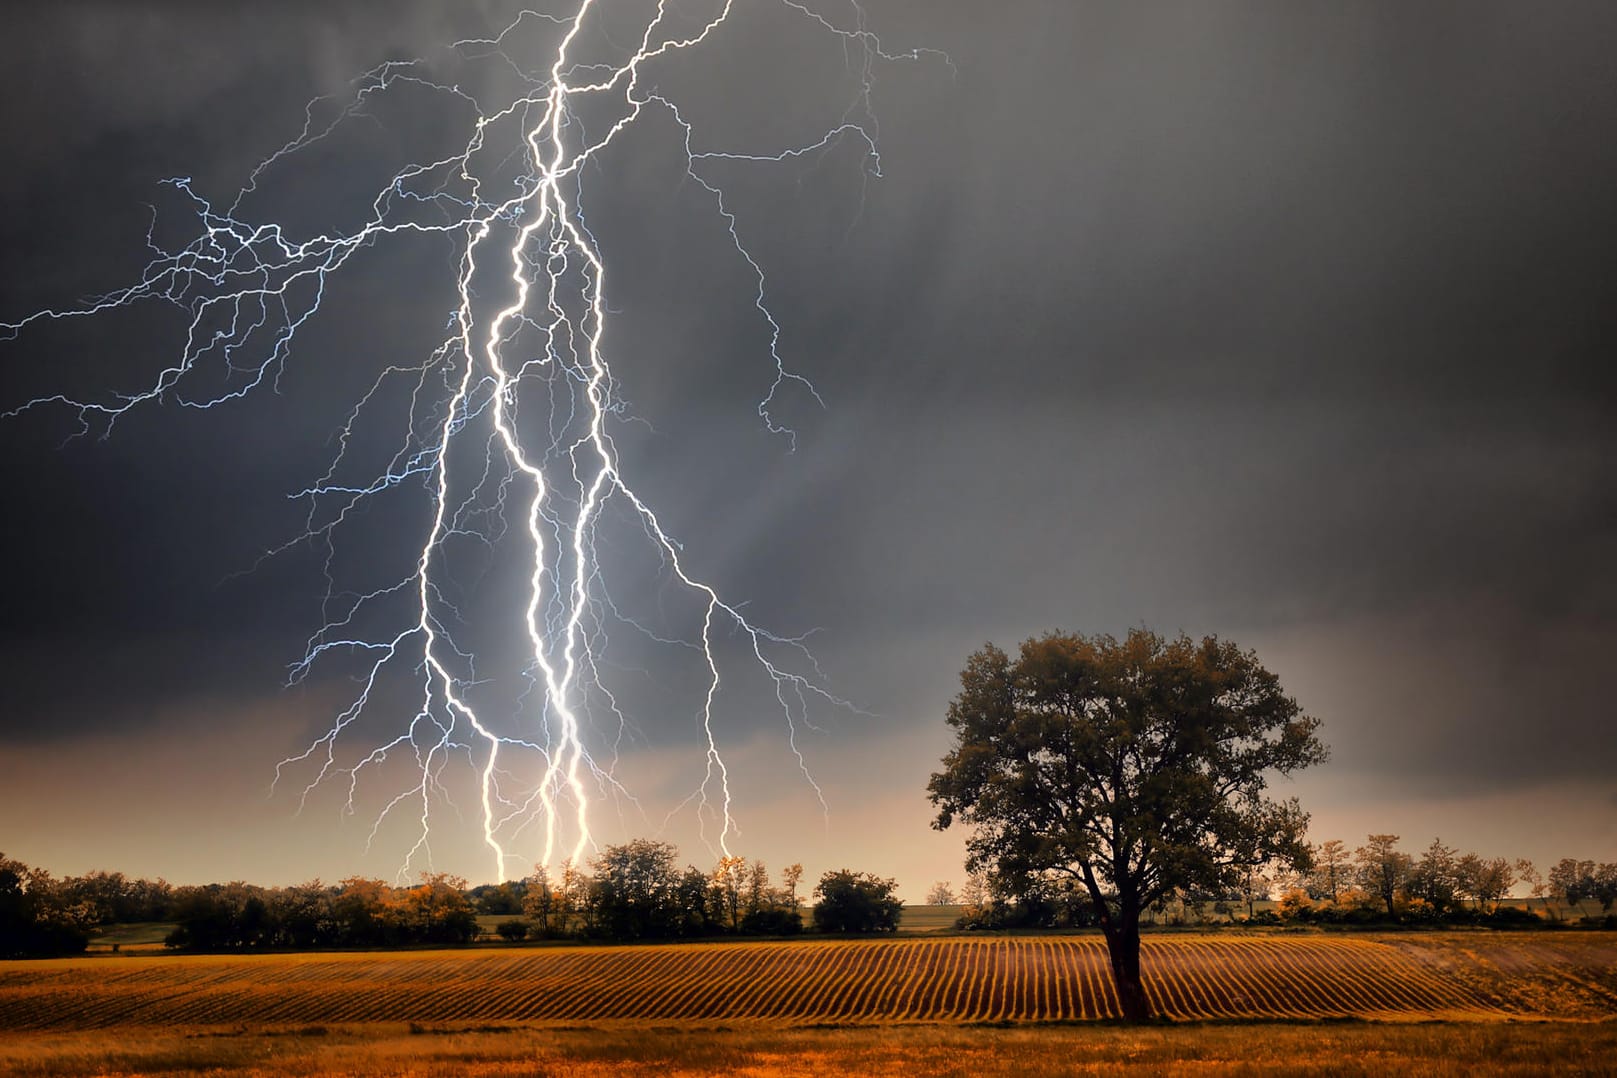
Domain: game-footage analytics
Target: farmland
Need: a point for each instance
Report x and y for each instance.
(1241, 1003)
(948, 980)
(1372, 1050)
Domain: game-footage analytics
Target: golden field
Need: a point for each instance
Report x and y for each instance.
(1439, 1003)
(1325, 1050)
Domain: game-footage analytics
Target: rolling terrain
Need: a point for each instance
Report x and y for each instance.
(952, 980)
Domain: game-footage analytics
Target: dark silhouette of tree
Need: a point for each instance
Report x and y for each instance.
(439, 911)
(1330, 874)
(499, 898)
(1435, 878)
(1133, 768)
(305, 916)
(366, 914)
(1485, 879)
(34, 921)
(693, 904)
(791, 876)
(555, 905)
(222, 917)
(1383, 869)
(634, 891)
(1578, 880)
(1603, 886)
(514, 930)
(729, 891)
(855, 902)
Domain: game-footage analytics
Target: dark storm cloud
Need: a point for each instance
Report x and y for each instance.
(1289, 322)
(124, 596)
(1255, 319)
(83, 69)
(1263, 200)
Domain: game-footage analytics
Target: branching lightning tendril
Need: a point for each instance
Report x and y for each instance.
(537, 422)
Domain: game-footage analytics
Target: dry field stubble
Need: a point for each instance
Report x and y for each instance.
(1221, 1050)
(1451, 1003)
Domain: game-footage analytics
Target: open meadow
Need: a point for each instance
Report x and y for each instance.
(1433, 1003)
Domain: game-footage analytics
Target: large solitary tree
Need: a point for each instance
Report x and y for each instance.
(1130, 768)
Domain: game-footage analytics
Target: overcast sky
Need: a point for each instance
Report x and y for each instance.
(1289, 323)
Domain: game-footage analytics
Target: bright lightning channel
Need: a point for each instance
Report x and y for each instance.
(539, 424)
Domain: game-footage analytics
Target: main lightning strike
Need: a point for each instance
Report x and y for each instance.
(249, 288)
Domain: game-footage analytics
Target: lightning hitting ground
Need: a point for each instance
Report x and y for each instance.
(504, 430)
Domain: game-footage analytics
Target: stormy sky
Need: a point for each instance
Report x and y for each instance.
(1289, 323)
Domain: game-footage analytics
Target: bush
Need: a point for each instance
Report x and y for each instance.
(33, 920)
(999, 913)
(1295, 905)
(855, 902)
(772, 921)
(512, 931)
(438, 911)
(41, 939)
(1512, 915)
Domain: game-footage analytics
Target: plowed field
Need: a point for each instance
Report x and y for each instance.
(800, 983)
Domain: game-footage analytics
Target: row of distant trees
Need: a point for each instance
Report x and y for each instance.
(628, 892)
(1374, 882)
(44, 914)
(638, 891)
(354, 913)
(1441, 880)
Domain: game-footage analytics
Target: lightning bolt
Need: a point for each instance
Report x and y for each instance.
(509, 421)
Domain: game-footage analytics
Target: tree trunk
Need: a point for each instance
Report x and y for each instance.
(1123, 945)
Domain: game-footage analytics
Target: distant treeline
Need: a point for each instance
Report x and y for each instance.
(638, 891)
(1376, 883)
(628, 892)
(40, 914)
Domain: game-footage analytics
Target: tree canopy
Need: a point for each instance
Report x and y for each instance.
(1130, 769)
(856, 902)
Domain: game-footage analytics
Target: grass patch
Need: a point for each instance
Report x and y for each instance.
(929, 918)
(1327, 1050)
(140, 935)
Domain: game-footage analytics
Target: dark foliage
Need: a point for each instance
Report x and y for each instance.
(499, 898)
(33, 920)
(855, 902)
(1133, 769)
(512, 931)
(1035, 901)
(774, 921)
(635, 893)
(356, 913)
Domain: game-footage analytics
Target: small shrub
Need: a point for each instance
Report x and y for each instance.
(856, 902)
(1512, 915)
(1418, 911)
(774, 921)
(1295, 905)
(512, 931)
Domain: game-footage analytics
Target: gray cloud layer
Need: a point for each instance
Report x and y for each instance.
(1290, 323)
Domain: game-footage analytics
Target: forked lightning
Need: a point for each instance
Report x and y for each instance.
(510, 418)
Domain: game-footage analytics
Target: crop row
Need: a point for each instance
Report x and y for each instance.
(950, 980)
